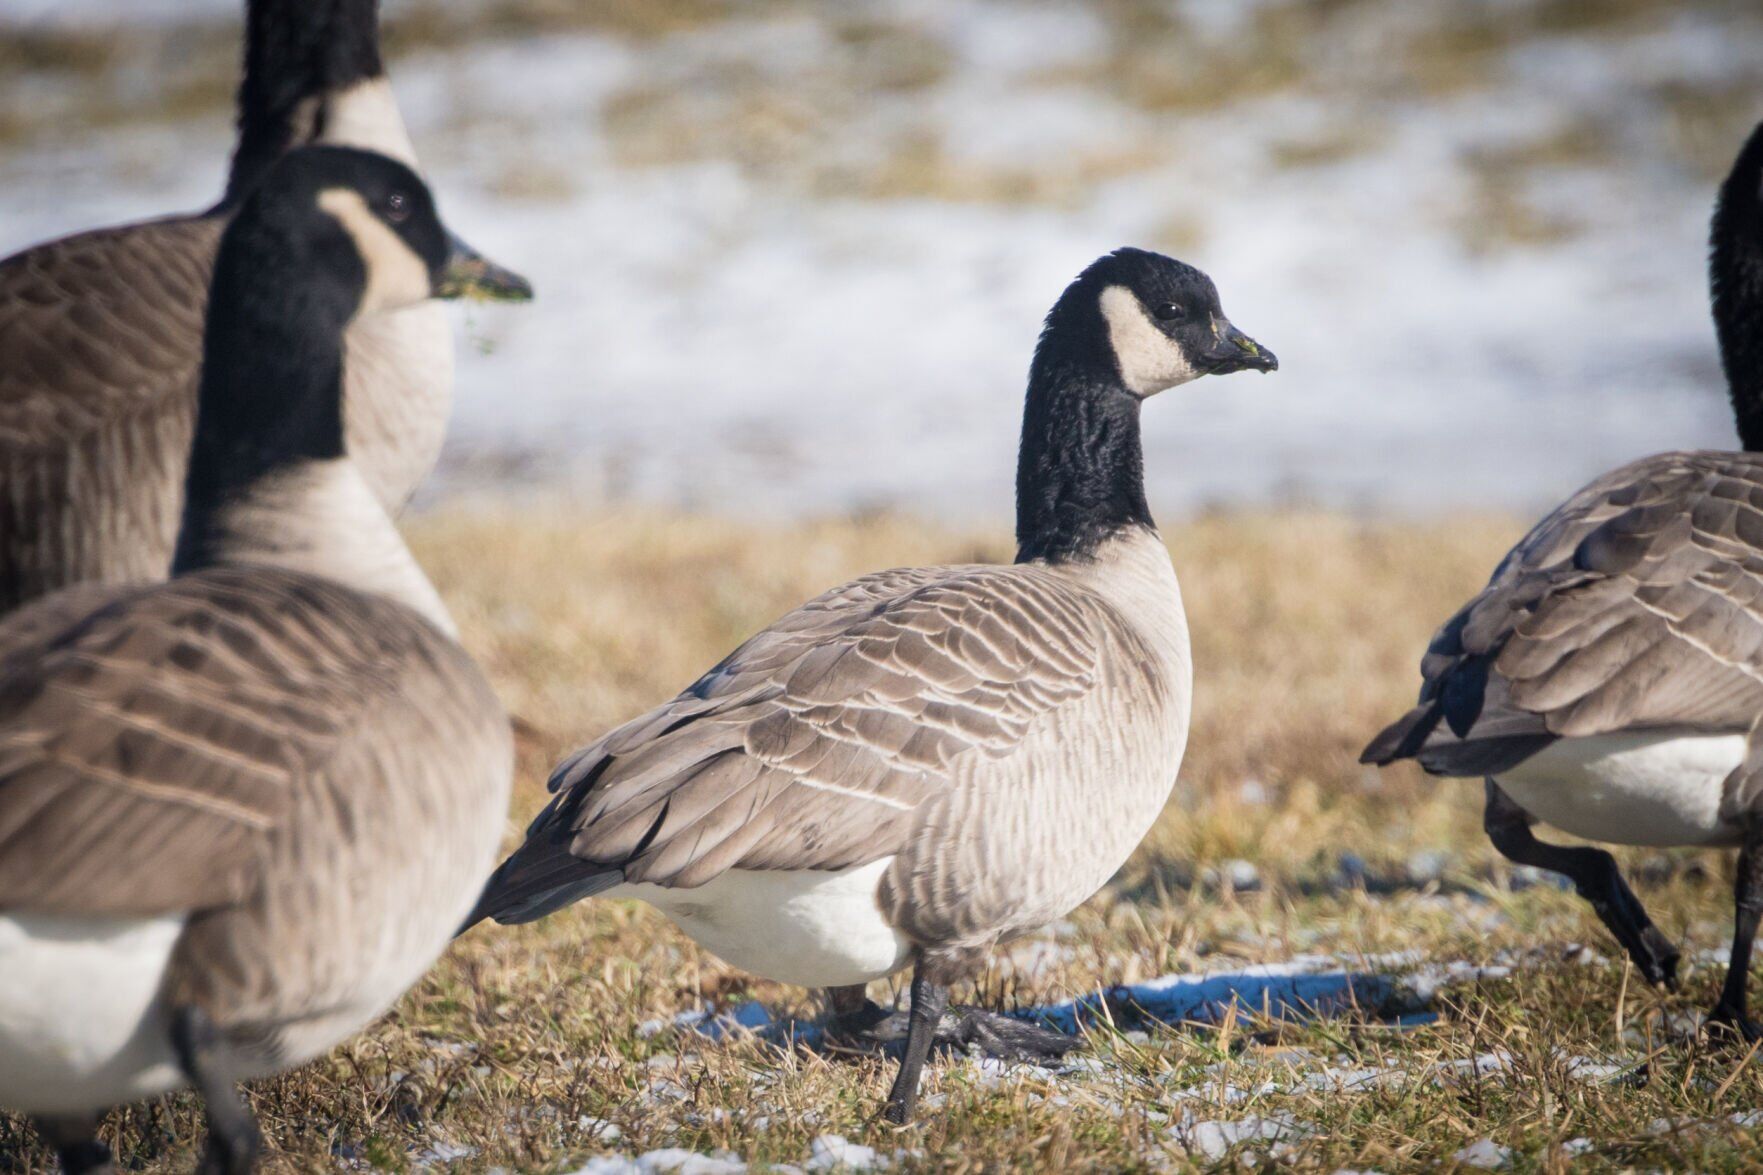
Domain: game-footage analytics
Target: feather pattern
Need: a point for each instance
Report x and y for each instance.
(950, 717)
(230, 744)
(1636, 605)
(102, 334)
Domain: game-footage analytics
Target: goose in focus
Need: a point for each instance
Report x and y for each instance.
(923, 762)
(102, 332)
(242, 810)
(1608, 680)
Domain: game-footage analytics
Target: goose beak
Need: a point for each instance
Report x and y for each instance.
(1232, 350)
(468, 274)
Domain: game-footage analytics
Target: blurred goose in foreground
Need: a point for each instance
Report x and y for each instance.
(241, 811)
(102, 333)
(925, 761)
(1609, 679)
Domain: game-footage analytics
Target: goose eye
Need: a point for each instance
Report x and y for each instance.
(397, 208)
(1170, 312)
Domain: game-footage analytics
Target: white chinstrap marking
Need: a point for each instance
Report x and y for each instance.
(810, 927)
(1656, 789)
(81, 1023)
(1149, 360)
(396, 276)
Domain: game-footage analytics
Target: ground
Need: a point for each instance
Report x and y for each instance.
(1491, 1019)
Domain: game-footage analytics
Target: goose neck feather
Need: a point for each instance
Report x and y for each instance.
(1735, 278)
(1080, 475)
(296, 51)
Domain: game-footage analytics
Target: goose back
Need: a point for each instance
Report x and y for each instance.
(1636, 605)
(231, 747)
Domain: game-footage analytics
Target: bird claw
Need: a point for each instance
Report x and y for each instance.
(994, 1034)
(1733, 1025)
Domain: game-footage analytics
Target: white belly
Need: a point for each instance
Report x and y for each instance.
(81, 1023)
(812, 928)
(1631, 789)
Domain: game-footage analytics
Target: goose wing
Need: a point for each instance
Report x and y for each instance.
(100, 325)
(1637, 604)
(813, 744)
(151, 746)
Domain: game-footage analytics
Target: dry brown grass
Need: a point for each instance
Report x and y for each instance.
(1306, 628)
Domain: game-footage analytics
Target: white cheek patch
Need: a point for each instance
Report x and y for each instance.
(396, 276)
(366, 116)
(1149, 360)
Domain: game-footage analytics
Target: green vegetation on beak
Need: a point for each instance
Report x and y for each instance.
(468, 274)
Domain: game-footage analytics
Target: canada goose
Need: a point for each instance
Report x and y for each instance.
(102, 332)
(1606, 681)
(241, 811)
(924, 761)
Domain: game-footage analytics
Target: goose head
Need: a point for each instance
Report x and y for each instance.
(330, 234)
(1151, 323)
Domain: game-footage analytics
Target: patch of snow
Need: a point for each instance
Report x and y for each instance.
(1485, 1153)
(1213, 1140)
(833, 1152)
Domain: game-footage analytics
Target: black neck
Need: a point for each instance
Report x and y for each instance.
(1080, 474)
(296, 51)
(1735, 277)
(271, 394)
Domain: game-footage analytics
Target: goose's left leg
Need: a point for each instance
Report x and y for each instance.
(1594, 875)
(233, 1138)
(1747, 895)
(929, 1002)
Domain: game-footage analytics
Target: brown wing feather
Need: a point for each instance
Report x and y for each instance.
(99, 325)
(102, 338)
(813, 744)
(1637, 604)
(149, 748)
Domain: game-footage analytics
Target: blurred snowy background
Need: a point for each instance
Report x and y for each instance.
(792, 256)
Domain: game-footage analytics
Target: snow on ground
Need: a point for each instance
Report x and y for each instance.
(788, 262)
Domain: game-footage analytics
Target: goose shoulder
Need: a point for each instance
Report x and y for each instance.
(157, 752)
(102, 325)
(1638, 603)
(814, 744)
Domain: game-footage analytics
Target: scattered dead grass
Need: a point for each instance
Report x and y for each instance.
(1306, 630)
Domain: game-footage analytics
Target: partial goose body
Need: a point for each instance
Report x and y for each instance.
(1609, 678)
(1656, 789)
(289, 747)
(1031, 815)
(242, 811)
(926, 761)
(103, 334)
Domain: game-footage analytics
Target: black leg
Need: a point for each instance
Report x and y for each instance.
(75, 1139)
(233, 1137)
(929, 1000)
(1594, 875)
(1747, 900)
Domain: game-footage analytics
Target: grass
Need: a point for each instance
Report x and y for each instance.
(525, 1043)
